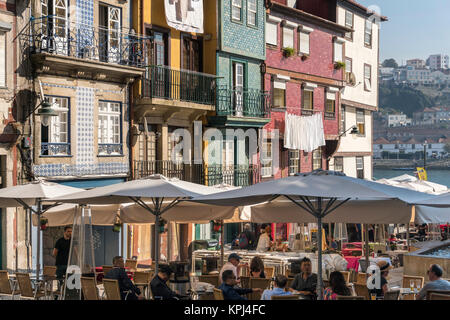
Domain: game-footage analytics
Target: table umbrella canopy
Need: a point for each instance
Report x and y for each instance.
(28, 194)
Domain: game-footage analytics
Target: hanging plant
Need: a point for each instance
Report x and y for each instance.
(162, 224)
(117, 225)
(43, 223)
(288, 52)
(217, 226)
(339, 65)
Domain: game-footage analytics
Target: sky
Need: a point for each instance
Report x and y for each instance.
(416, 28)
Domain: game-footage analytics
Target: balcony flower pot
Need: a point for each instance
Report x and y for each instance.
(43, 223)
(288, 52)
(304, 57)
(339, 65)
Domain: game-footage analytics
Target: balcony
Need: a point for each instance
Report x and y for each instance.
(59, 45)
(245, 108)
(52, 149)
(236, 175)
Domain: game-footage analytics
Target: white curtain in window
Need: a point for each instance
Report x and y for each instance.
(304, 42)
(272, 33)
(288, 37)
(337, 51)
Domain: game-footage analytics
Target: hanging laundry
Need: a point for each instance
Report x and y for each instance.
(303, 133)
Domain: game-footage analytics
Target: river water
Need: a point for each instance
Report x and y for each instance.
(437, 176)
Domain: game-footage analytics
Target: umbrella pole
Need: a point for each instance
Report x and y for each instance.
(319, 255)
(156, 241)
(366, 238)
(38, 244)
(221, 244)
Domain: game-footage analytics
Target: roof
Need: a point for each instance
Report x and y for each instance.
(361, 7)
(381, 141)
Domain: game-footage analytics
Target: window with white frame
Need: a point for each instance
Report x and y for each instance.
(55, 137)
(288, 37)
(361, 122)
(279, 94)
(307, 102)
(266, 159)
(330, 102)
(303, 43)
(272, 33)
(348, 65)
(360, 167)
(367, 77)
(338, 51)
(294, 161)
(2, 59)
(368, 33)
(317, 159)
(109, 116)
(251, 12)
(236, 10)
(349, 23)
(342, 128)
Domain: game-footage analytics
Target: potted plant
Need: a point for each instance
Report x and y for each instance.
(117, 226)
(288, 52)
(217, 226)
(304, 57)
(162, 224)
(43, 223)
(339, 65)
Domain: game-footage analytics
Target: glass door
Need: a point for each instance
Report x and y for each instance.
(238, 88)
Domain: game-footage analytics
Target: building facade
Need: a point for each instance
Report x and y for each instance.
(416, 63)
(438, 61)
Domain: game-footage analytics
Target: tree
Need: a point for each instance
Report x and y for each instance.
(390, 63)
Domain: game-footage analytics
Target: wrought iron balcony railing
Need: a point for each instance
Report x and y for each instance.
(55, 35)
(237, 175)
(166, 83)
(109, 149)
(55, 149)
(242, 103)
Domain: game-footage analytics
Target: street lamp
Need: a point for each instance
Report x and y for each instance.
(45, 112)
(354, 131)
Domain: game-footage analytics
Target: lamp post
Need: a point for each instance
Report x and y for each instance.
(45, 112)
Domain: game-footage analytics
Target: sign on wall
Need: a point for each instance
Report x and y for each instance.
(185, 15)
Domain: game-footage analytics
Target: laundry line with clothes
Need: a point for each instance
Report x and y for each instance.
(304, 133)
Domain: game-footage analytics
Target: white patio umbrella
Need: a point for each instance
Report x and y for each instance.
(156, 194)
(441, 201)
(34, 194)
(322, 195)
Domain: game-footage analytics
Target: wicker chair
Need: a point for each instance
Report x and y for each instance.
(106, 269)
(361, 290)
(5, 285)
(429, 292)
(131, 264)
(218, 294)
(49, 275)
(346, 275)
(89, 288)
(258, 283)
(290, 280)
(111, 289)
(407, 279)
(212, 279)
(351, 298)
(438, 296)
(26, 289)
(392, 295)
(361, 278)
(142, 280)
(269, 272)
(286, 297)
(245, 282)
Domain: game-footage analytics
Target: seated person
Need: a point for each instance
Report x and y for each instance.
(333, 245)
(159, 287)
(298, 243)
(436, 283)
(337, 287)
(264, 242)
(278, 290)
(229, 289)
(257, 268)
(126, 286)
(305, 282)
(232, 264)
(384, 272)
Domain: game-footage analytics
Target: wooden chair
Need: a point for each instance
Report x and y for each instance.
(258, 283)
(361, 278)
(49, 275)
(26, 289)
(142, 280)
(218, 294)
(286, 297)
(131, 264)
(89, 288)
(245, 282)
(290, 280)
(106, 269)
(111, 289)
(269, 272)
(351, 298)
(346, 275)
(361, 290)
(392, 295)
(212, 279)
(5, 285)
(438, 296)
(406, 279)
(429, 292)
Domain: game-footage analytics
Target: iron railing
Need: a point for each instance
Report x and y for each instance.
(242, 103)
(108, 149)
(236, 175)
(55, 35)
(166, 83)
(55, 149)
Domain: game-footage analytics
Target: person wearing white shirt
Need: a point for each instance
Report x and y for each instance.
(232, 264)
(264, 243)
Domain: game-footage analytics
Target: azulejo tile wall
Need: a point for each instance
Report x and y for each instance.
(84, 127)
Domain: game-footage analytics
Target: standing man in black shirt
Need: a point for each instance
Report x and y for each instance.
(61, 252)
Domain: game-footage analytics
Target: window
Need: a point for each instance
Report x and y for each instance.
(368, 34)
(109, 119)
(348, 65)
(294, 160)
(367, 77)
(2, 59)
(192, 54)
(279, 94)
(342, 129)
(339, 164)
(251, 12)
(272, 33)
(349, 23)
(338, 51)
(303, 43)
(330, 103)
(307, 99)
(236, 10)
(238, 87)
(288, 37)
(159, 49)
(266, 163)
(360, 167)
(172, 141)
(317, 159)
(361, 122)
(413, 146)
(110, 27)
(55, 140)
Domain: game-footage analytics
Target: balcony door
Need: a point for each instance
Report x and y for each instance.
(159, 59)
(192, 60)
(109, 33)
(54, 25)
(238, 88)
